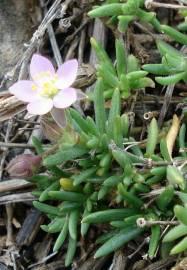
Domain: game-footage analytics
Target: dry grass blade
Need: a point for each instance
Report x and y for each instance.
(20, 197)
(166, 103)
(172, 134)
(9, 106)
(14, 184)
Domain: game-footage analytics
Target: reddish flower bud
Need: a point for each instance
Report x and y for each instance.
(24, 165)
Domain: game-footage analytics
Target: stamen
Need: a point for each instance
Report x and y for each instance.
(49, 90)
(34, 87)
(47, 82)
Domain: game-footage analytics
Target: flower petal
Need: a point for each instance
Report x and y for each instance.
(67, 74)
(65, 98)
(40, 106)
(59, 117)
(40, 64)
(23, 91)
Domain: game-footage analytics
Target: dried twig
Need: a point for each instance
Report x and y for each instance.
(14, 184)
(9, 211)
(20, 197)
(16, 145)
(172, 134)
(5, 152)
(166, 103)
(142, 222)
(138, 249)
(77, 31)
(52, 38)
(43, 260)
(70, 54)
(152, 4)
(81, 46)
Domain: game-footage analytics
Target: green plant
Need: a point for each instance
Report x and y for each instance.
(125, 75)
(173, 65)
(98, 173)
(102, 172)
(183, 26)
(124, 13)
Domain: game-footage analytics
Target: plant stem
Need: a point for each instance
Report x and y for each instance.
(16, 145)
(141, 222)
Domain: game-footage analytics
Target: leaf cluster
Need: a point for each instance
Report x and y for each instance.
(173, 65)
(124, 76)
(125, 13)
(98, 171)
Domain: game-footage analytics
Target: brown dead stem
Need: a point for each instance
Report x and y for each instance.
(172, 133)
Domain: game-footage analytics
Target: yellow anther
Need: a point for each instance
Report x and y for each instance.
(49, 89)
(47, 82)
(33, 87)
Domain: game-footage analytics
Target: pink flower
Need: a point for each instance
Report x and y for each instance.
(47, 89)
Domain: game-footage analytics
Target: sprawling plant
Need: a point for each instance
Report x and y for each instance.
(100, 164)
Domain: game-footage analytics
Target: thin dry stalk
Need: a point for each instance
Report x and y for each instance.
(9, 212)
(172, 134)
(152, 4)
(5, 152)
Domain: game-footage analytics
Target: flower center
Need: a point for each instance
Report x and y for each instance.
(49, 89)
(47, 84)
